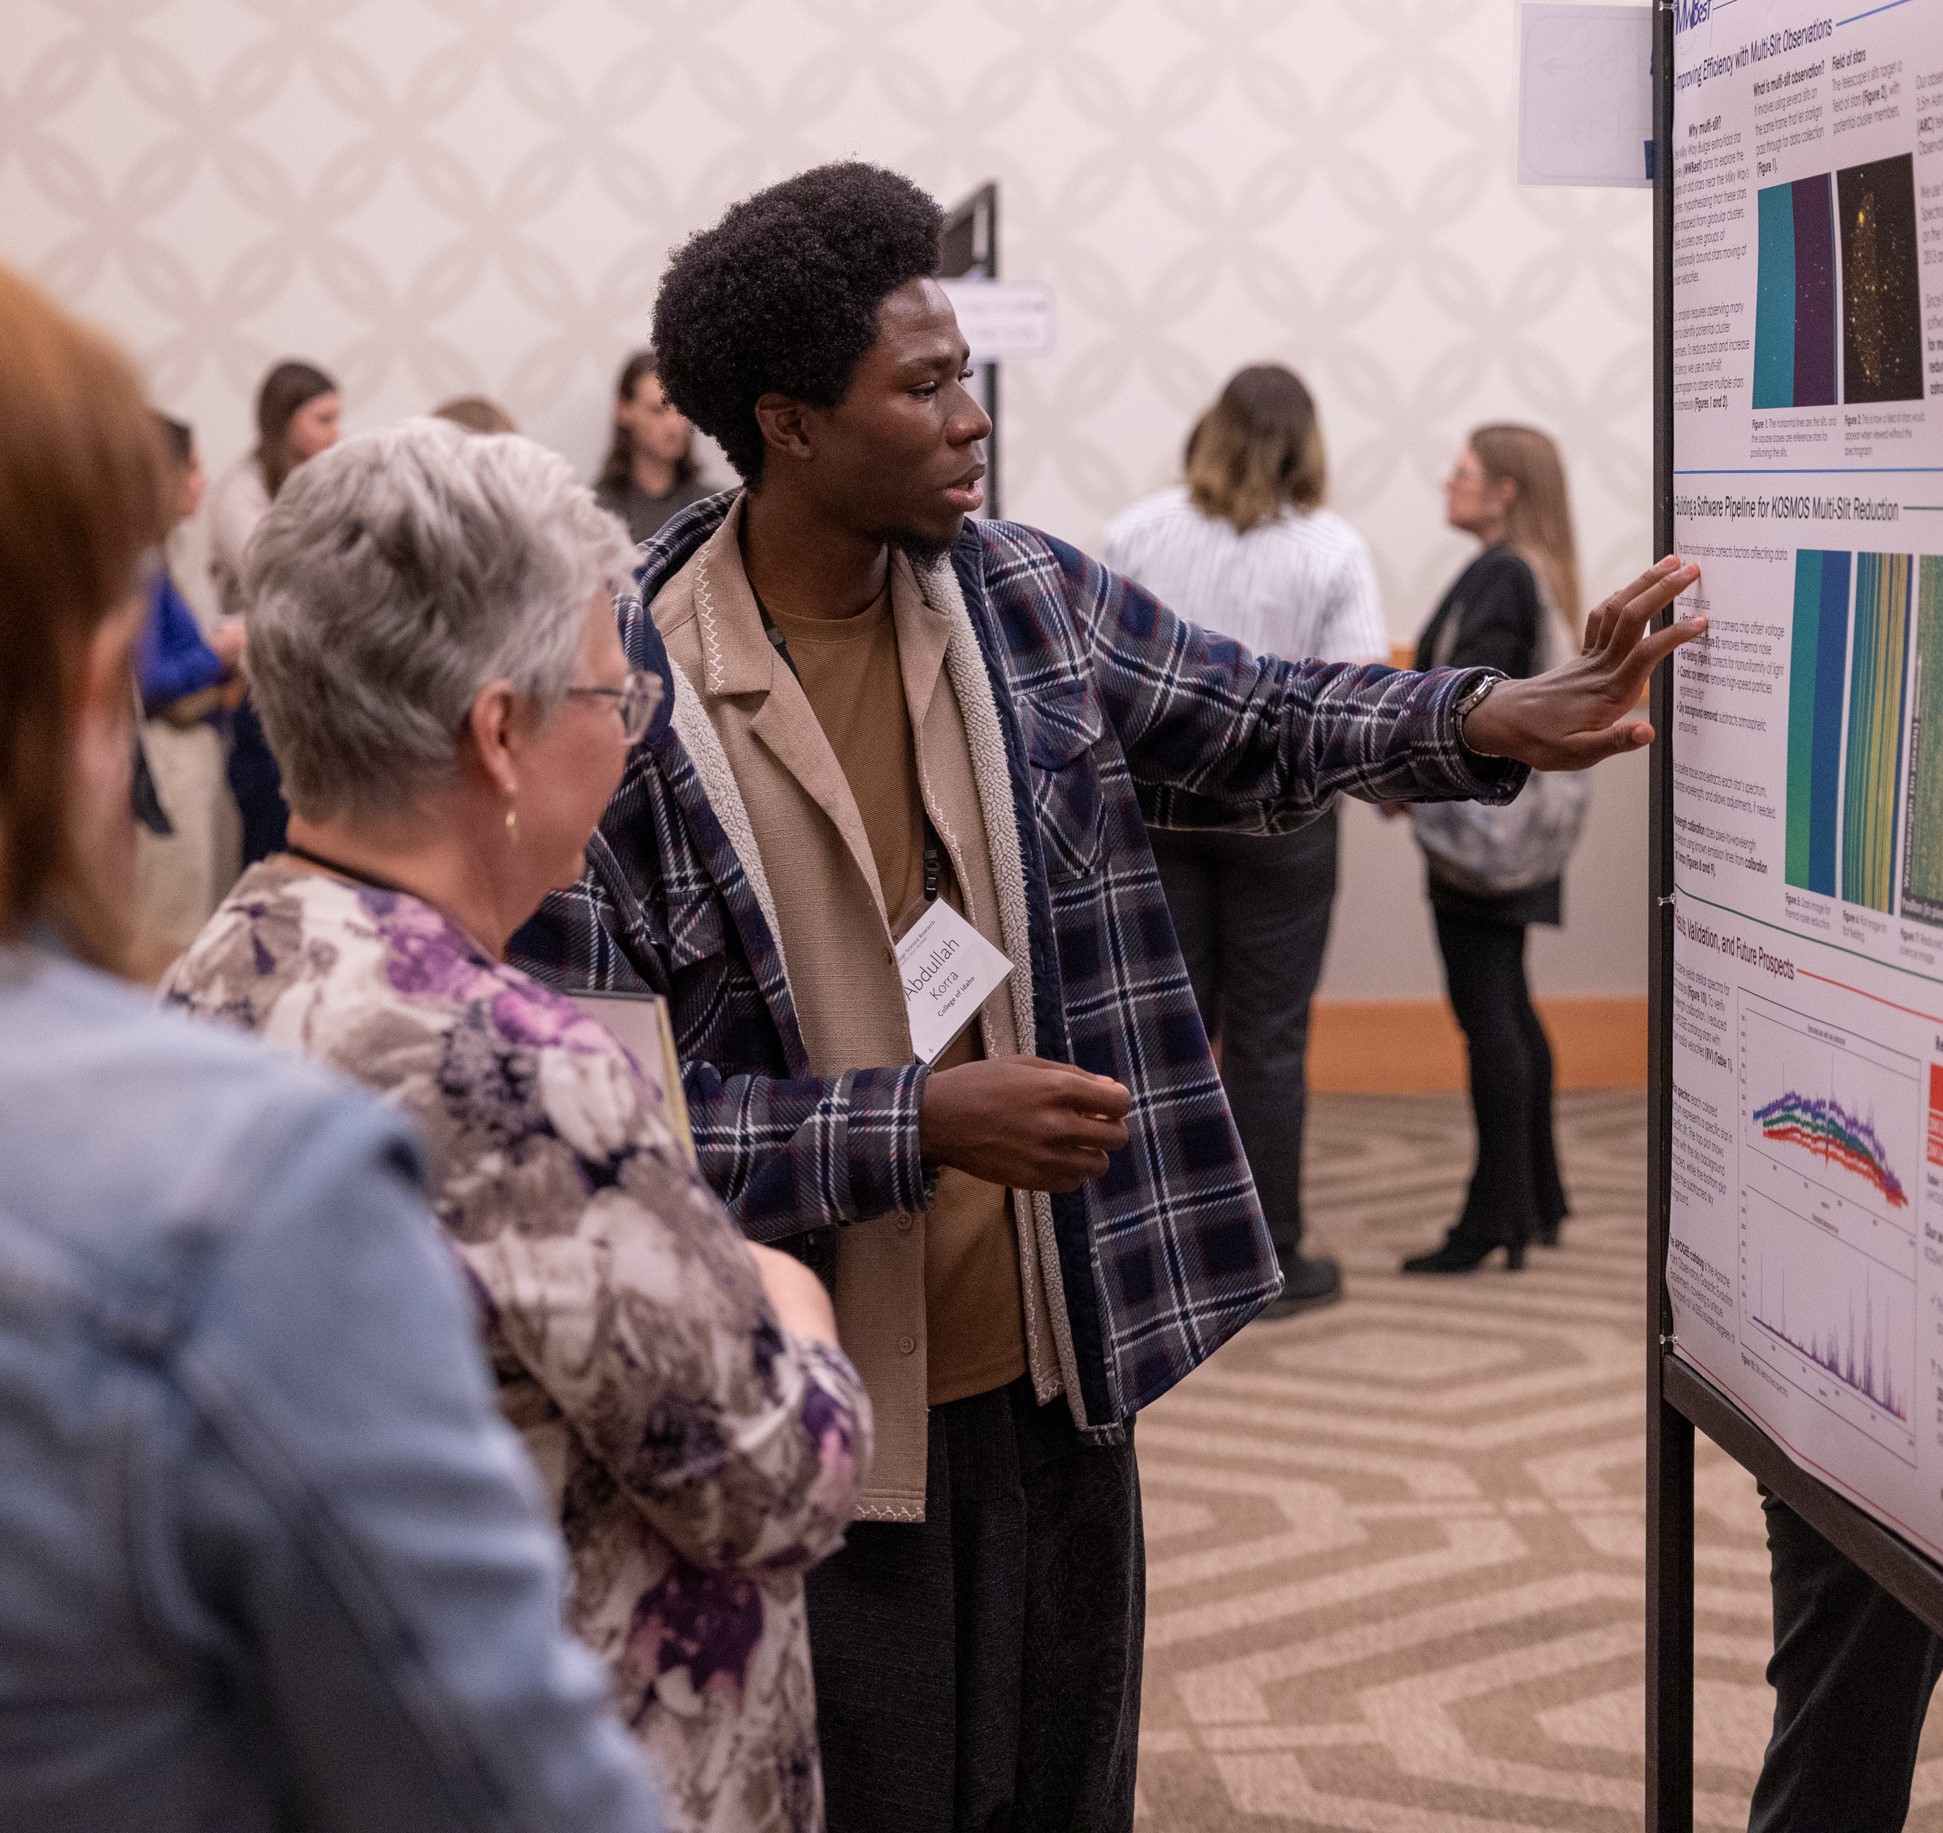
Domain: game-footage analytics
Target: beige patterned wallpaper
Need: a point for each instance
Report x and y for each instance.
(440, 195)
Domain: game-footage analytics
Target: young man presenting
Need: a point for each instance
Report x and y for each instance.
(884, 714)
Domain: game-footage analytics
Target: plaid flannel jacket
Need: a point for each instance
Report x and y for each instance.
(1116, 714)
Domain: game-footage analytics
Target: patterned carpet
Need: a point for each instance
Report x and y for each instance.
(1396, 1547)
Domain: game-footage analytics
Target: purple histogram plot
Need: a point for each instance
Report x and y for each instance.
(1831, 1321)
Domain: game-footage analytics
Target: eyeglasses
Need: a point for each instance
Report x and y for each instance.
(635, 700)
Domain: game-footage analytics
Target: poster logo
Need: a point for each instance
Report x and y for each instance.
(1689, 13)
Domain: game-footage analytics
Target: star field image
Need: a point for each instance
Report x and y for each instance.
(1882, 349)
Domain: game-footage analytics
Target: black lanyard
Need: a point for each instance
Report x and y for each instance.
(384, 884)
(933, 848)
(351, 872)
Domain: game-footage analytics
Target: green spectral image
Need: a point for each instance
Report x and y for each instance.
(1923, 798)
(1817, 654)
(1871, 777)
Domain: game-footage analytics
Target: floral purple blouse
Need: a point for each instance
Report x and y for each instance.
(700, 1458)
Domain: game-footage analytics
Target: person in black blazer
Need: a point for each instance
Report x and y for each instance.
(1508, 489)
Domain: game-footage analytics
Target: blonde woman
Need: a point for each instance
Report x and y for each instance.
(1511, 609)
(1245, 547)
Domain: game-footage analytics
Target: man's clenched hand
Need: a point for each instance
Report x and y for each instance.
(1577, 714)
(1023, 1121)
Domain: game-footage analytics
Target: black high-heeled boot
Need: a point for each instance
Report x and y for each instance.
(1463, 1253)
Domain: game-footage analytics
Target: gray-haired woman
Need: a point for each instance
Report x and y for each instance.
(434, 652)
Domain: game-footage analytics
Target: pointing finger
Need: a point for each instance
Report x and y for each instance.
(1662, 643)
(1653, 649)
(1623, 630)
(1625, 614)
(1600, 625)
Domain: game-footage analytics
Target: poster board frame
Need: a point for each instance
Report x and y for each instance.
(969, 246)
(1679, 1399)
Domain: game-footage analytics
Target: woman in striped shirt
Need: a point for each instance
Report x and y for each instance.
(1244, 547)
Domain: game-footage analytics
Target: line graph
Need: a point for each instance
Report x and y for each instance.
(1831, 1112)
(1827, 1130)
(1830, 1320)
(1835, 1349)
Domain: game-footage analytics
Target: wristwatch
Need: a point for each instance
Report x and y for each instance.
(1468, 703)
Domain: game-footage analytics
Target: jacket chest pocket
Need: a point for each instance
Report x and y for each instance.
(697, 927)
(1060, 730)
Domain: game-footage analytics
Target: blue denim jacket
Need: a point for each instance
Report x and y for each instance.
(268, 1557)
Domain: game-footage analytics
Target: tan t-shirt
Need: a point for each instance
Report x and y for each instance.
(974, 1312)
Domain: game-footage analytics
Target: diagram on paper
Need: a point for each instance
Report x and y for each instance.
(1802, 314)
(1804, 1269)
(1848, 674)
(1831, 1321)
(1831, 1127)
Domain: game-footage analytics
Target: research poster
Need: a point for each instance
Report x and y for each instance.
(1806, 1257)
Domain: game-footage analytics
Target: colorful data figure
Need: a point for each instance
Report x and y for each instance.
(1817, 653)
(1838, 1118)
(1794, 311)
(1923, 798)
(1882, 336)
(1871, 783)
(1823, 1128)
(1836, 1324)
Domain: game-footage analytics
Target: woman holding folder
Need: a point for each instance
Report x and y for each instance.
(434, 651)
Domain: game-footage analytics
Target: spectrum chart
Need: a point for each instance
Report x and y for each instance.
(1795, 315)
(1817, 666)
(1858, 777)
(1826, 1130)
(1922, 886)
(1837, 1119)
(1836, 1325)
(1875, 739)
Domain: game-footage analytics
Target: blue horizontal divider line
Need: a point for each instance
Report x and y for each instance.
(1889, 6)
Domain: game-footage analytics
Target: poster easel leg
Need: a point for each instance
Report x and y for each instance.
(1669, 1617)
(1669, 1435)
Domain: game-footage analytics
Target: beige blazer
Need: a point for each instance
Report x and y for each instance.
(818, 880)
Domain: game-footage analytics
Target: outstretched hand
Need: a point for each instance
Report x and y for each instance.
(1575, 715)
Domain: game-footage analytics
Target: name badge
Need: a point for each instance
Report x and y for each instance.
(949, 971)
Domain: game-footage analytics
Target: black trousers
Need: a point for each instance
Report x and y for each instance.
(1252, 915)
(980, 1672)
(257, 785)
(1852, 1673)
(1515, 1189)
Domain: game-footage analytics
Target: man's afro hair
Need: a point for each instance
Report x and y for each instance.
(781, 296)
